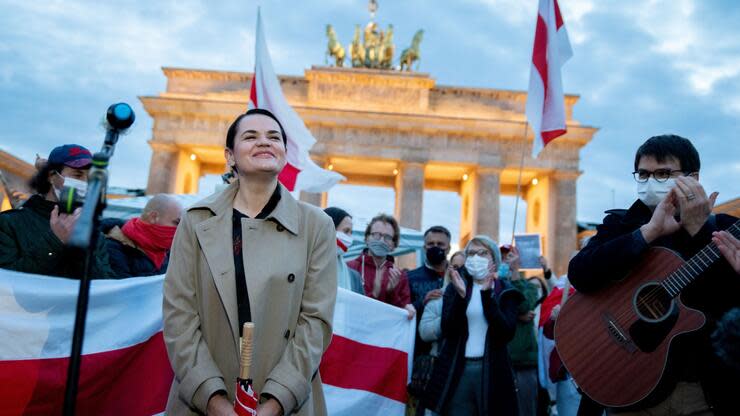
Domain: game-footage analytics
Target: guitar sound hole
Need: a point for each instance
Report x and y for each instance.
(653, 303)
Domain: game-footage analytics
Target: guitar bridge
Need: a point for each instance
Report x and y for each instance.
(618, 334)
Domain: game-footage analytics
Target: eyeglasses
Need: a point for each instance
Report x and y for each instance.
(481, 252)
(660, 175)
(378, 236)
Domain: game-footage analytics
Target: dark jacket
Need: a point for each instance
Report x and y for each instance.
(617, 247)
(28, 245)
(500, 306)
(422, 280)
(126, 258)
(523, 348)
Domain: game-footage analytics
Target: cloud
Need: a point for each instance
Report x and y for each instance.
(680, 34)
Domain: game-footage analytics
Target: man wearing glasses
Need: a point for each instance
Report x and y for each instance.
(382, 280)
(672, 210)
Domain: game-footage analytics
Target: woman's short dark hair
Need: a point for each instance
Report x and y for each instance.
(670, 146)
(337, 215)
(388, 220)
(231, 132)
(40, 181)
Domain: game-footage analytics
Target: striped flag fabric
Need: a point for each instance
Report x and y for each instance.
(125, 369)
(545, 102)
(300, 173)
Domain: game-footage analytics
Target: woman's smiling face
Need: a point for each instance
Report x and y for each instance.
(258, 146)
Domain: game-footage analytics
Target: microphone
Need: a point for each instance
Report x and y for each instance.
(120, 116)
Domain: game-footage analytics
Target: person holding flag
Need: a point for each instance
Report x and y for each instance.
(250, 253)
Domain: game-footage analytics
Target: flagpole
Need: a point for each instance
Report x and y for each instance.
(519, 181)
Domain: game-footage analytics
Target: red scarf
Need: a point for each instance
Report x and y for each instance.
(154, 240)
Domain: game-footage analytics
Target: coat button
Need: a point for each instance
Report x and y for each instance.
(280, 228)
(287, 334)
(291, 278)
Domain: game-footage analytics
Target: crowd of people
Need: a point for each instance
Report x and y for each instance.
(484, 343)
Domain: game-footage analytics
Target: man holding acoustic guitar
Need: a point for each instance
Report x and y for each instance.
(651, 287)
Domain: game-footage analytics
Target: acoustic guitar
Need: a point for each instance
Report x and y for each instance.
(615, 342)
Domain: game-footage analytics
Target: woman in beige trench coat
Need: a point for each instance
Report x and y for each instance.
(287, 250)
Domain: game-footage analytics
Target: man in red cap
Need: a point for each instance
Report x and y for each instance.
(33, 237)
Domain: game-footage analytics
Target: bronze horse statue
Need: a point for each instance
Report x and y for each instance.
(387, 49)
(357, 50)
(412, 54)
(334, 48)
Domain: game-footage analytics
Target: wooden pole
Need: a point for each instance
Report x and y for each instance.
(519, 181)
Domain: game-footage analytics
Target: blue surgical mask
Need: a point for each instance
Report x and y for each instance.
(379, 248)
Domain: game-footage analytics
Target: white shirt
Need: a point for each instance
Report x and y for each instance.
(477, 325)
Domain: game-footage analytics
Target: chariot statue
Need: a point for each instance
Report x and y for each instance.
(372, 47)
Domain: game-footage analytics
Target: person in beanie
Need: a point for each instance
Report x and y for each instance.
(140, 246)
(346, 278)
(473, 375)
(33, 237)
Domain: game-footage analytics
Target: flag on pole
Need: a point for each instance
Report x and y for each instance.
(545, 102)
(300, 173)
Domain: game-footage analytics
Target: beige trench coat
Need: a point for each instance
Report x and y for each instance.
(290, 268)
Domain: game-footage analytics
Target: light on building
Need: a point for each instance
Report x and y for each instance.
(466, 177)
(330, 167)
(395, 172)
(535, 181)
(192, 156)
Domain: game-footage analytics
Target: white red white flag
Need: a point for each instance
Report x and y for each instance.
(301, 173)
(125, 369)
(545, 102)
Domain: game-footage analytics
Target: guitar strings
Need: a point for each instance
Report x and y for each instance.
(692, 274)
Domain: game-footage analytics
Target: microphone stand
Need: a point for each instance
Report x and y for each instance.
(85, 237)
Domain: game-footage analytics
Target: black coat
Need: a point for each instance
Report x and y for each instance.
(28, 245)
(617, 247)
(126, 259)
(500, 308)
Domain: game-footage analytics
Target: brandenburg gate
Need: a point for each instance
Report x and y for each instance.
(386, 128)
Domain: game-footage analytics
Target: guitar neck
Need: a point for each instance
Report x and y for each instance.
(686, 274)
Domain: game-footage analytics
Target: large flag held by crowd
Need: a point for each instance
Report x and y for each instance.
(125, 369)
(301, 173)
(545, 102)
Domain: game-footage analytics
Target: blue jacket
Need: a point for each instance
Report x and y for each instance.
(126, 259)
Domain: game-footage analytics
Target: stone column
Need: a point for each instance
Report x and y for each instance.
(563, 228)
(488, 203)
(410, 194)
(163, 168)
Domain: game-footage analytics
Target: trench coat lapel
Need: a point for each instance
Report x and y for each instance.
(215, 238)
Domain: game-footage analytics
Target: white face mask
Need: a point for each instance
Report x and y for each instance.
(345, 239)
(78, 185)
(477, 266)
(652, 191)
